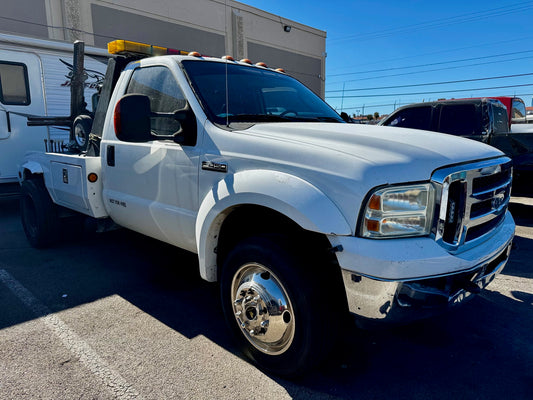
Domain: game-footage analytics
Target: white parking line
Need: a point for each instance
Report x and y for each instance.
(86, 355)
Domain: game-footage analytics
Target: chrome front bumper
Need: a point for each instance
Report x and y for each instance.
(403, 301)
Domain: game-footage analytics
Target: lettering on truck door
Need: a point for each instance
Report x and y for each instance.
(152, 186)
(21, 94)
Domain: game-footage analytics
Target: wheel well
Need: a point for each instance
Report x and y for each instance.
(27, 174)
(61, 211)
(251, 220)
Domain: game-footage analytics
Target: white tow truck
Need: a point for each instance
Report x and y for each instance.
(301, 217)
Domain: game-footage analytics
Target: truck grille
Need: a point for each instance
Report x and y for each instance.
(473, 201)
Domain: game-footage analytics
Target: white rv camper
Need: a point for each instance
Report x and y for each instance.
(35, 81)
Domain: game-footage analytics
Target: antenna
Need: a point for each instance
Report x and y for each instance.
(226, 63)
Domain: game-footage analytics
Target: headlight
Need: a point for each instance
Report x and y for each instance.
(398, 211)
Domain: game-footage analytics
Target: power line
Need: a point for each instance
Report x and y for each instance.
(476, 46)
(399, 104)
(432, 64)
(429, 84)
(431, 70)
(56, 27)
(457, 19)
(434, 92)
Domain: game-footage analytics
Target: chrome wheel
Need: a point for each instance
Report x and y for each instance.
(262, 309)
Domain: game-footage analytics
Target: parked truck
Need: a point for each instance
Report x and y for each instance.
(35, 80)
(303, 219)
(487, 120)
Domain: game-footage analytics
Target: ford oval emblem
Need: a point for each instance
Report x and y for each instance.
(497, 201)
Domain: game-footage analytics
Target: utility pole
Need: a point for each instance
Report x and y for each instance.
(342, 99)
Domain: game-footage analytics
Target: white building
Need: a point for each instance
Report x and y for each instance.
(212, 27)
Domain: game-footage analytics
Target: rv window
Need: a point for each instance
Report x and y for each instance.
(14, 88)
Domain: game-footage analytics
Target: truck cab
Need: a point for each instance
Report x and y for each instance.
(301, 217)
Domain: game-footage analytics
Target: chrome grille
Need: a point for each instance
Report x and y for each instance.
(473, 201)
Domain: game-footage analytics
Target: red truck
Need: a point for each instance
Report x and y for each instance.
(516, 109)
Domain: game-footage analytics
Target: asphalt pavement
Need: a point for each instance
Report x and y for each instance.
(119, 315)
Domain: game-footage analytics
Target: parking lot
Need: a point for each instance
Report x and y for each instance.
(118, 315)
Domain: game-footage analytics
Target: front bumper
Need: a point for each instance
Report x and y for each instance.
(397, 295)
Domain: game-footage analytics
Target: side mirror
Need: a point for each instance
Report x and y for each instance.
(187, 133)
(132, 118)
(346, 118)
(179, 126)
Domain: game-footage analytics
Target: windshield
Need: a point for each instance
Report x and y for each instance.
(254, 95)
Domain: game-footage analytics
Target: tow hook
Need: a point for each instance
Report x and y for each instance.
(470, 286)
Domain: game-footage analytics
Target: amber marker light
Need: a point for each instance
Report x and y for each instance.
(92, 177)
(372, 225)
(375, 202)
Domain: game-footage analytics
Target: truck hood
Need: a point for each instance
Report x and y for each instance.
(395, 154)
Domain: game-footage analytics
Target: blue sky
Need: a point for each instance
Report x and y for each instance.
(386, 44)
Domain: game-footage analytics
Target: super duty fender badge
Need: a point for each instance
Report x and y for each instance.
(214, 166)
(118, 202)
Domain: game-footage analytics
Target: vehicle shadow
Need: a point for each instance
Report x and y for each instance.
(478, 351)
(522, 213)
(482, 350)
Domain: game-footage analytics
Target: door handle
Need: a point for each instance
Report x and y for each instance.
(8, 119)
(110, 156)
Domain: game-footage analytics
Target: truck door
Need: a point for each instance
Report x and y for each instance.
(152, 187)
(463, 119)
(21, 94)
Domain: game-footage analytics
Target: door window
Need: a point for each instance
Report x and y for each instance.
(165, 95)
(14, 88)
(460, 119)
(501, 120)
(416, 118)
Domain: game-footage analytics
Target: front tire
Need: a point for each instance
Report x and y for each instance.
(276, 305)
(39, 214)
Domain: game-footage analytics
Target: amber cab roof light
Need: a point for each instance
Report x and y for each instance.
(126, 47)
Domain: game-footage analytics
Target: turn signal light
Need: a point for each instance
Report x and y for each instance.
(92, 177)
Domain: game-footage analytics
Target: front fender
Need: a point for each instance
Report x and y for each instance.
(289, 195)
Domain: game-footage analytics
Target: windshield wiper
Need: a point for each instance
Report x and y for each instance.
(328, 119)
(257, 118)
(279, 118)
